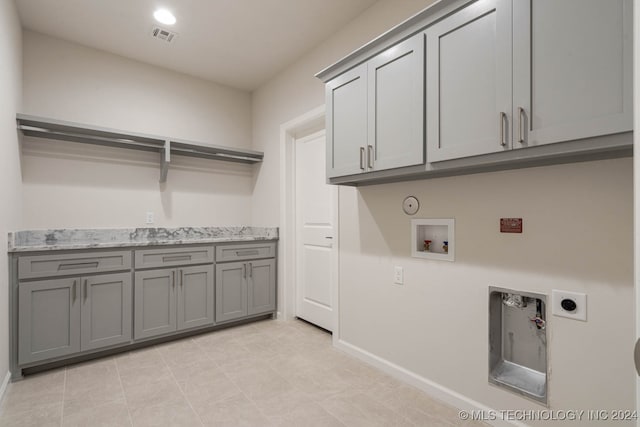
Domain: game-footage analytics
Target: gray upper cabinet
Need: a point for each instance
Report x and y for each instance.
(501, 84)
(155, 303)
(347, 122)
(195, 297)
(261, 286)
(375, 112)
(572, 62)
(395, 106)
(49, 319)
(105, 310)
(469, 82)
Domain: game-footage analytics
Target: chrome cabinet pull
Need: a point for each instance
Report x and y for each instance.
(370, 156)
(78, 265)
(520, 120)
(85, 290)
(503, 116)
(244, 271)
(250, 270)
(176, 258)
(362, 158)
(173, 279)
(181, 278)
(247, 253)
(74, 291)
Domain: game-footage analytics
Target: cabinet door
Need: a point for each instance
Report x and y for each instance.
(49, 319)
(106, 310)
(396, 113)
(155, 303)
(195, 296)
(572, 69)
(231, 291)
(262, 286)
(347, 122)
(469, 82)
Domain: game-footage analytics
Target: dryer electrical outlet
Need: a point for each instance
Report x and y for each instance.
(569, 304)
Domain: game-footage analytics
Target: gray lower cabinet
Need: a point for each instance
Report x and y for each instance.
(231, 291)
(106, 311)
(245, 288)
(261, 286)
(49, 319)
(78, 302)
(168, 300)
(59, 317)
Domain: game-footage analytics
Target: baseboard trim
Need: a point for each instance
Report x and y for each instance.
(433, 389)
(4, 386)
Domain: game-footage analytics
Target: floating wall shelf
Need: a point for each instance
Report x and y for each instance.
(41, 127)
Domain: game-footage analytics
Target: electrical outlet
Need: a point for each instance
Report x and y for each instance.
(150, 219)
(569, 304)
(398, 275)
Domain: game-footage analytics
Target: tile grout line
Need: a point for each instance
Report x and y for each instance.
(180, 388)
(124, 393)
(64, 393)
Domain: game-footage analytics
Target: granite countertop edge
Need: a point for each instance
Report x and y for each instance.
(178, 237)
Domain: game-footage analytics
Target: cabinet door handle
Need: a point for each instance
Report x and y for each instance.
(181, 278)
(250, 270)
(176, 258)
(362, 158)
(503, 117)
(520, 121)
(247, 253)
(244, 271)
(173, 279)
(78, 265)
(85, 290)
(73, 291)
(370, 156)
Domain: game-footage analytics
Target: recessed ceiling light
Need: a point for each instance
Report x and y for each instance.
(164, 17)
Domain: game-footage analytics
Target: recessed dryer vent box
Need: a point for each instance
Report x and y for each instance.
(518, 342)
(433, 238)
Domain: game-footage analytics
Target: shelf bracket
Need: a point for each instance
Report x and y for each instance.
(165, 159)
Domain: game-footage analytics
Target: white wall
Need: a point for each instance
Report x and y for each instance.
(11, 205)
(577, 236)
(73, 185)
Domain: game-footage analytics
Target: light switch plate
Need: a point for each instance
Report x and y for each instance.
(580, 300)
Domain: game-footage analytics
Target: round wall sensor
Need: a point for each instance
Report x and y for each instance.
(410, 205)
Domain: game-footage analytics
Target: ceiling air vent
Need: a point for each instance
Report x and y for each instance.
(162, 34)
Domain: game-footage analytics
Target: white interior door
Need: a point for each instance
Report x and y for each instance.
(314, 232)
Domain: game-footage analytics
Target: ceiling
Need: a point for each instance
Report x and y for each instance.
(239, 43)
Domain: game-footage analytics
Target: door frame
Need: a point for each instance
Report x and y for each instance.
(636, 176)
(306, 124)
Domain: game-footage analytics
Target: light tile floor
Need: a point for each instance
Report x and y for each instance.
(267, 373)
